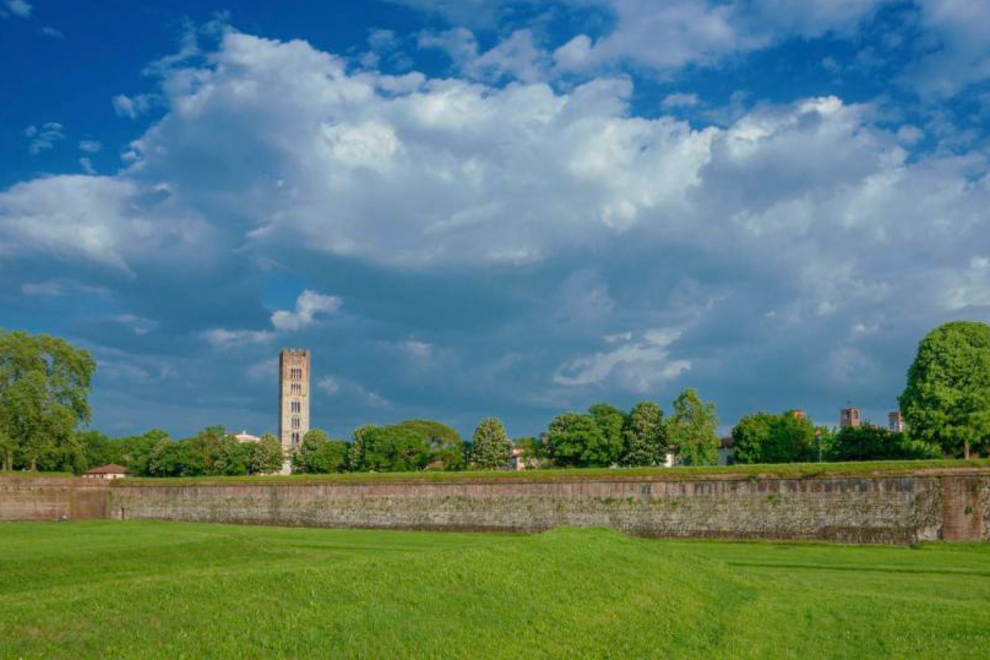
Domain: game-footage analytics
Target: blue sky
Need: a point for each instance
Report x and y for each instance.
(477, 207)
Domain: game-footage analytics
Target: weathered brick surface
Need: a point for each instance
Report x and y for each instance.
(892, 509)
(52, 499)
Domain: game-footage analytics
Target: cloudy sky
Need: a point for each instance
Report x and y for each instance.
(475, 207)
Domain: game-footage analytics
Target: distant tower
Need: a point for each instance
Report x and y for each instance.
(849, 417)
(293, 401)
(895, 423)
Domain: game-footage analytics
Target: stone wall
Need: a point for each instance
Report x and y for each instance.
(875, 509)
(53, 498)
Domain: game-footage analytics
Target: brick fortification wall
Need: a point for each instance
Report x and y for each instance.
(53, 498)
(891, 509)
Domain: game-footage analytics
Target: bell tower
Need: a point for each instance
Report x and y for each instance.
(293, 401)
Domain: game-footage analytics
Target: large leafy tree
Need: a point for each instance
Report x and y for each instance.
(692, 429)
(44, 393)
(355, 454)
(767, 438)
(644, 435)
(947, 398)
(266, 455)
(575, 440)
(611, 421)
(318, 454)
(873, 443)
(490, 445)
(395, 449)
(446, 444)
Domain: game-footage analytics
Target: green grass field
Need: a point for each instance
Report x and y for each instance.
(173, 590)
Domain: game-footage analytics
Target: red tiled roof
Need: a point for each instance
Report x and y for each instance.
(108, 469)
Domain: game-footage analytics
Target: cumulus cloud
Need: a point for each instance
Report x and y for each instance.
(679, 100)
(221, 338)
(132, 106)
(90, 146)
(49, 31)
(309, 304)
(559, 220)
(45, 137)
(637, 365)
(19, 8)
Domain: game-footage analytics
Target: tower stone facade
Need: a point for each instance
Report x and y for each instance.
(849, 417)
(293, 401)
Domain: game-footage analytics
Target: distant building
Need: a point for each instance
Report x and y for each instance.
(895, 423)
(849, 417)
(797, 413)
(293, 400)
(519, 461)
(112, 471)
(726, 453)
(244, 436)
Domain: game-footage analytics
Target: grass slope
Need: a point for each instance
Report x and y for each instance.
(173, 590)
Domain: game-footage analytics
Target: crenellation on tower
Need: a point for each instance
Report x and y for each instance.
(293, 401)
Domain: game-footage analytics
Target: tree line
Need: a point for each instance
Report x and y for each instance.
(45, 384)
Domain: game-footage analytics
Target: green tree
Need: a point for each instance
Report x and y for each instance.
(318, 454)
(266, 455)
(208, 450)
(44, 394)
(575, 440)
(171, 458)
(355, 454)
(490, 445)
(645, 435)
(395, 449)
(874, 443)
(98, 449)
(947, 397)
(692, 429)
(446, 444)
(611, 422)
(233, 457)
(767, 438)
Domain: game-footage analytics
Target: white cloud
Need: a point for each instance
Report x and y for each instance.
(813, 191)
(49, 31)
(87, 165)
(221, 338)
(98, 218)
(309, 304)
(342, 386)
(90, 146)
(132, 106)
(19, 8)
(264, 370)
(328, 385)
(44, 138)
(638, 366)
(47, 289)
(679, 100)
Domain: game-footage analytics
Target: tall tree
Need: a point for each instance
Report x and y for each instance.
(693, 429)
(575, 440)
(644, 434)
(395, 449)
(355, 454)
(318, 454)
(611, 421)
(490, 445)
(768, 438)
(44, 394)
(266, 455)
(947, 398)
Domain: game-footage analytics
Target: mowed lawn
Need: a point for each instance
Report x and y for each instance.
(173, 590)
